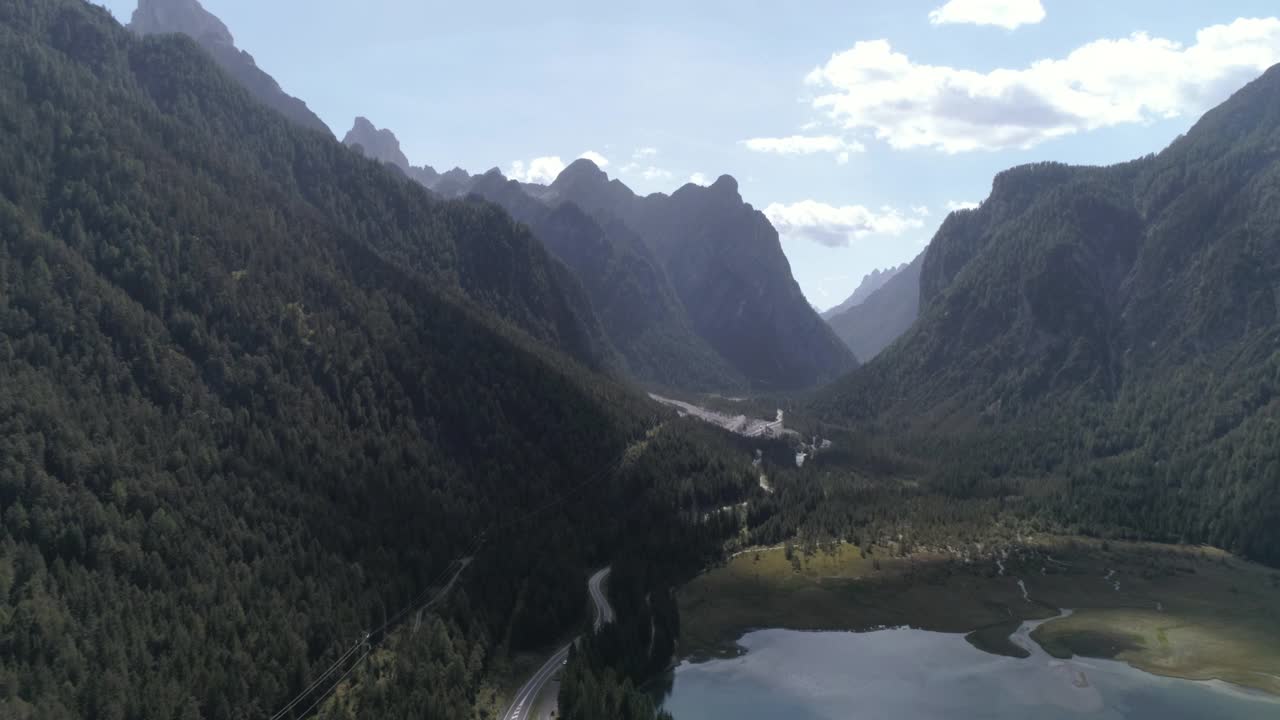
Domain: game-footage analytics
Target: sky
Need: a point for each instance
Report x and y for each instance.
(855, 125)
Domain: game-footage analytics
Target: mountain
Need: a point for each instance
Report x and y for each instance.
(261, 393)
(726, 264)
(869, 326)
(871, 282)
(380, 145)
(718, 324)
(640, 311)
(383, 146)
(188, 17)
(1113, 330)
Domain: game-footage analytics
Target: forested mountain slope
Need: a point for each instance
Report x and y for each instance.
(190, 18)
(1114, 329)
(496, 263)
(259, 394)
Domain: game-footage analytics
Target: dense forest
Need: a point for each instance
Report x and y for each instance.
(1111, 335)
(261, 393)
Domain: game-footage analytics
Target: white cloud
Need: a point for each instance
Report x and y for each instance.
(541, 170)
(601, 161)
(1008, 14)
(806, 145)
(955, 205)
(648, 172)
(644, 152)
(838, 226)
(544, 170)
(1137, 79)
(699, 179)
(920, 210)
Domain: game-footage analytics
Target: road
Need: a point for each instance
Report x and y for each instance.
(525, 705)
(604, 611)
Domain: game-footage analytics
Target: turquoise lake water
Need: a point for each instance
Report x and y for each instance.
(906, 674)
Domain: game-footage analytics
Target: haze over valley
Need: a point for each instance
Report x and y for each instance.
(599, 363)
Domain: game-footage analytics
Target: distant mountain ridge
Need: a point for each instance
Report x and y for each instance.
(639, 309)
(871, 282)
(726, 262)
(188, 17)
(870, 326)
(698, 289)
(383, 145)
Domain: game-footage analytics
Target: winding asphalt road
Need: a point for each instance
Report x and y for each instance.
(525, 704)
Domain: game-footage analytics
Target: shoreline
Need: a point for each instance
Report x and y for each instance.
(1024, 633)
(1184, 613)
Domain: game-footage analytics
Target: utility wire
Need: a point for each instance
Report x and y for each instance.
(336, 664)
(333, 687)
(364, 642)
(414, 605)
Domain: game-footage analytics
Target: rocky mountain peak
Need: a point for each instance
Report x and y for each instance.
(581, 171)
(188, 17)
(180, 16)
(725, 185)
(381, 145)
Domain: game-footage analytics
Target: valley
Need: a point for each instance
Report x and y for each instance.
(295, 428)
(737, 424)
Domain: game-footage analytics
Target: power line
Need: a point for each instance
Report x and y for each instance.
(333, 687)
(414, 605)
(484, 536)
(365, 642)
(311, 688)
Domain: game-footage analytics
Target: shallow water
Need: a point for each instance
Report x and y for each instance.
(906, 674)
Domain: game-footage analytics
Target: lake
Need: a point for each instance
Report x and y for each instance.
(906, 674)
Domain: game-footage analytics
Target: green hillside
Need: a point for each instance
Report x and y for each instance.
(1114, 332)
(260, 393)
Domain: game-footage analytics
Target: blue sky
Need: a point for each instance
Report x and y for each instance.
(855, 124)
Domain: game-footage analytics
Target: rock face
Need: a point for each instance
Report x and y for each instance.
(180, 16)
(693, 289)
(871, 282)
(381, 145)
(188, 17)
(726, 263)
(639, 309)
